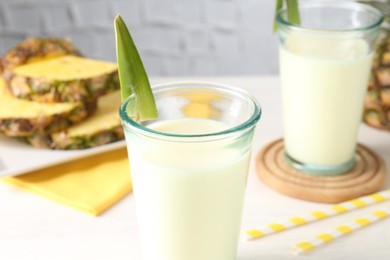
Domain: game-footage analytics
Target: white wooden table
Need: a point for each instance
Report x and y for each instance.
(32, 227)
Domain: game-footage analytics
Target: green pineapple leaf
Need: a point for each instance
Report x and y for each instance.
(292, 12)
(279, 6)
(132, 75)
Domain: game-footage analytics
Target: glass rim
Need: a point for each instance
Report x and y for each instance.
(350, 5)
(251, 121)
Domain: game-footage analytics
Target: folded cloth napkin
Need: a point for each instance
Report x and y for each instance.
(91, 184)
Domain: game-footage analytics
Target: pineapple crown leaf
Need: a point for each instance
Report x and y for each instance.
(292, 12)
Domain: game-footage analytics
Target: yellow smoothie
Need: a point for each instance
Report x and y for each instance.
(189, 196)
(324, 82)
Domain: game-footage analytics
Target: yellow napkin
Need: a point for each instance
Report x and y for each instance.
(91, 184)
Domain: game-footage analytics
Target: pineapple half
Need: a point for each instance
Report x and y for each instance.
(36, 49)
(377, 102)
(64, 79)
(24, 118)
(101, 128)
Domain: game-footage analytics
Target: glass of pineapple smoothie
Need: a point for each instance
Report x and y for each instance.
(189, 169)
(325, 66)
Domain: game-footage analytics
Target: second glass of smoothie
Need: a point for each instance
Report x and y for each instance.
(325, 66)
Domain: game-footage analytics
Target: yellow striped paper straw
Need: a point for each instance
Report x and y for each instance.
(341, 230)
(333, 210)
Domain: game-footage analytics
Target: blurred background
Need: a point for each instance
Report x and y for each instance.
(174, 37)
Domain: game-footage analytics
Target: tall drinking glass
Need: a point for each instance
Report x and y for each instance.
(189, 169)
(325, 65)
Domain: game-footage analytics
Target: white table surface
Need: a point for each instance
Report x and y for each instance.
(32, 227)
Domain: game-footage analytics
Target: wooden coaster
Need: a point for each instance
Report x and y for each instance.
(367, 176)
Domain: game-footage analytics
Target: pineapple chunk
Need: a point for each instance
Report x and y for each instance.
(105, 117)
(102, 127)
(22, 117)
(14, 107)
(64, 79)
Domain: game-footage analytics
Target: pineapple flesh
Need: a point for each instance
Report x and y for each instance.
(25, 118)
(64, 79)
(101, 128)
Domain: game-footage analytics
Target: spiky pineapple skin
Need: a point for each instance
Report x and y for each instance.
(377, 102)
(51, 91)
(61, 141)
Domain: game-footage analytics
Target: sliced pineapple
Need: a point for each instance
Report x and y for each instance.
(377, 102)
(64, 79)
(34, 50)
(23, 118)
(101, 128)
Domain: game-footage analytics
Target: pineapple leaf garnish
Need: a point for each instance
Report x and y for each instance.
(292, 12)
(279, 6)
(132, 75)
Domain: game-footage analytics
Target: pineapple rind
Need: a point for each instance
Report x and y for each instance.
(375, 118)
(77, 142)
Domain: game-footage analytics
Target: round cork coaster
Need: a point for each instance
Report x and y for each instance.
(367, 176)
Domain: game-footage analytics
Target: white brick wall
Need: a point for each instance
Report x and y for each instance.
(174, 37)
